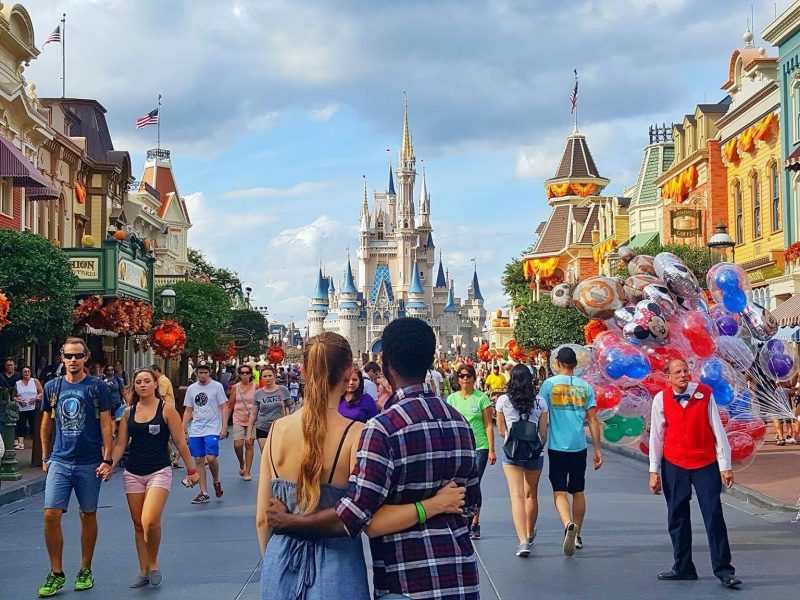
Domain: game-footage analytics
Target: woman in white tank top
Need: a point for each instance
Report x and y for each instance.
(29, 392)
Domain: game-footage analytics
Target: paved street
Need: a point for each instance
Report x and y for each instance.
(211, 551)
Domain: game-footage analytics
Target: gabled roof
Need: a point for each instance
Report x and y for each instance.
(590, 223)
(382, 279)
(657, 158)
(553, 238)
(577, 161)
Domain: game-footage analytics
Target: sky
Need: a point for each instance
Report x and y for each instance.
(276, 110)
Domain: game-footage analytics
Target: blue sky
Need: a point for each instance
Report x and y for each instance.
(274, 110)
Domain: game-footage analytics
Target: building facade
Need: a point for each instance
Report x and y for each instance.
(396, 274)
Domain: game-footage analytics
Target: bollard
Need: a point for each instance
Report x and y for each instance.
(9, 414)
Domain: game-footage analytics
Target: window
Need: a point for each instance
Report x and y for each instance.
(755, 188)
(776, 197)
(6, 198)
(737, 200)
(796, 111)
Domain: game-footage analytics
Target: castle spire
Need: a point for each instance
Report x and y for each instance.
(424, 207)
(391, 191)
(365, 209)
(407, 147)
(476, 288)
(441, 280)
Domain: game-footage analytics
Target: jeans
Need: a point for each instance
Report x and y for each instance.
(481, 458)
(62, 478)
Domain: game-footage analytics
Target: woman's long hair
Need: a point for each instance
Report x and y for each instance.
(358, 393)
(134, 397)
(326, 359)
(520, 389)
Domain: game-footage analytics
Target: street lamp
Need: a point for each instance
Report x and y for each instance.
(168, 301)
(722, 241)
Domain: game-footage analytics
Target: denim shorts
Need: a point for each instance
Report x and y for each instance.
(532, 465)
(204, 445)
(62, 478)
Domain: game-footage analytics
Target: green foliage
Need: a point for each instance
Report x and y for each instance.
(699, 260)
(514, 283)
(36, 277)
(542, 326)
(204, 311)
(225, 278)
(254, 322)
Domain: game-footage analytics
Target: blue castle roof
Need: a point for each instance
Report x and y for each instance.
(416, 284)
(441, 281)
(451, 303)
(476, 288)
(349, 286)
(321, 291)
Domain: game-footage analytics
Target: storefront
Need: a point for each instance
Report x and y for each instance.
(116, 290)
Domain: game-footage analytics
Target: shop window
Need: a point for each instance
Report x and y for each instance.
(776, 197)
(756, 194)
(737, 199)
(6, 198)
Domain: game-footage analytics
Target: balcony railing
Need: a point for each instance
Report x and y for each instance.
(169, 279)
(142, 186)
(157, 153)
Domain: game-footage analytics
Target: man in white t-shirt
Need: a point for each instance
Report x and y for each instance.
(434, 380)
(207, 409)
(370, 369)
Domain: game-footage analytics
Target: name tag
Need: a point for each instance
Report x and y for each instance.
(154, 429)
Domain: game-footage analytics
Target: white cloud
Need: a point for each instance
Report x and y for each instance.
(324, 113)
(298, 190)
(312, 235)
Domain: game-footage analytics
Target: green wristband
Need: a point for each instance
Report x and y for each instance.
(421, 513)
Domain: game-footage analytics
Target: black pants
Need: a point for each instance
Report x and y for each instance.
(26, 422)
(677, 483)
(482, 458)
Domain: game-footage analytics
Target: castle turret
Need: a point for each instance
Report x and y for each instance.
(319, 306)
(416, 305)
(349, 310)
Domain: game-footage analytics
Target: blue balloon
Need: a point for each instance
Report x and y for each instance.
(727, 279)
(723, 393)
(638, 368)
(727, 324)
(741, 405)
(734, 300)
(711, 372)
(615, 364)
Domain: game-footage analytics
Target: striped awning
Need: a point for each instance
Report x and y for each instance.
(15, 165)
(788, 334)
(41, 193)
(788, 313)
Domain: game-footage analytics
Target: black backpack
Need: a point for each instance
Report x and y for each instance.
(523, 441)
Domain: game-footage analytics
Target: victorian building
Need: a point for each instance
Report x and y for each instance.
(396, 273)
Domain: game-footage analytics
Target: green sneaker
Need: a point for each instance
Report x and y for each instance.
(84, 580)
(52, 584)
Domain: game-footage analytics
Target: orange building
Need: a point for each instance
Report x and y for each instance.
(694, 189)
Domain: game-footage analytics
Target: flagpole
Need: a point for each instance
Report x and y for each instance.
(576, 101)
(63, 54)
(158, 125)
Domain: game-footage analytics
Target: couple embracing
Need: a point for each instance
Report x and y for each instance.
(408, 478)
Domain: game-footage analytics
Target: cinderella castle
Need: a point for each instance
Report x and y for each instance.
(396, 275)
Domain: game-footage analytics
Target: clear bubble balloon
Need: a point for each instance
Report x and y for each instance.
(750, 424)
(736, 352)
(583, 355)
(604, 340)
(727, 322)
(624, 363)
(743, 450)
(636, 402)
(729, 286)
(779, 360)
(697, 332)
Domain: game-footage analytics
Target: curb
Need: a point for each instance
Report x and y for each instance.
(22, 492)
(750, 496)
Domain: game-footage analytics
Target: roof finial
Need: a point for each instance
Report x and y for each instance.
(407, 148)
(747, 36)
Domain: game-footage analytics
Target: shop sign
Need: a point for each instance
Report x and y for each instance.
(85, 267)
(685, 223)
(242, 338)
(132, 274)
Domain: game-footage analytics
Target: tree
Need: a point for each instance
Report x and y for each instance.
(37, 279)
(225, 278)
(514, 283)
(542, 326)
(699, 260)
(204, 311)
(254, 322)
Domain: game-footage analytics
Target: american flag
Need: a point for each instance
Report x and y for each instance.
(573, 96)
(150, 118)
(54, 37)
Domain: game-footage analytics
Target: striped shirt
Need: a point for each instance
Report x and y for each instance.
(407, 453)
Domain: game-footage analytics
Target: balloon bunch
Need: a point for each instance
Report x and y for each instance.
(659, 314)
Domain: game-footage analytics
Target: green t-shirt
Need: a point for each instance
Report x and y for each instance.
(471, 408)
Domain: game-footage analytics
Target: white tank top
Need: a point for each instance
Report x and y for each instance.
(26, 395)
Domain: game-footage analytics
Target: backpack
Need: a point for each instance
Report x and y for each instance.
(523, 441)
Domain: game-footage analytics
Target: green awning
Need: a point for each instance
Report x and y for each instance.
(642, 239)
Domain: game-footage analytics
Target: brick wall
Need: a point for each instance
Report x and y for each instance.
(15, 221)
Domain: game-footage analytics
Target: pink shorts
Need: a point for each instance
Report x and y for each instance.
(137, 484)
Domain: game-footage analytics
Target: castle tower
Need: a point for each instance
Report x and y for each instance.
(349, 309)
(474, 310)
(416, 305)
(319, 307)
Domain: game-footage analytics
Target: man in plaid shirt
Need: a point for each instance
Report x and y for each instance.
(416, 446)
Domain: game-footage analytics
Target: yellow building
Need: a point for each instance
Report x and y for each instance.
(750, 145)
(612, 231)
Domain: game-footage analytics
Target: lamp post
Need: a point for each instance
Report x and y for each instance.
(168, 301)
(722, 241)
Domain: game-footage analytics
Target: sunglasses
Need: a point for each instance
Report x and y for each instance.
(245, 372)
(76, 355)
(464, 376)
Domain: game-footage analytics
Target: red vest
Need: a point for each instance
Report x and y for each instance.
(689, 440)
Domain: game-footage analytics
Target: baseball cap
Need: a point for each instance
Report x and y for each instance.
(566, 356)
(204, 364)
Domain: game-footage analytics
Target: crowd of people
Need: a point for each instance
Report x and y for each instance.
(396, 450)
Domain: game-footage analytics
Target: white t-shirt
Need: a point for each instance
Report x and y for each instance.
(206, 401)
(370, 388)
(434, 380)
(511, 415)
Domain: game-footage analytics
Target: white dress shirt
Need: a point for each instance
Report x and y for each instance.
(658, 426)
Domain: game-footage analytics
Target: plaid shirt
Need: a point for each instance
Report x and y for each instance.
(407, 453)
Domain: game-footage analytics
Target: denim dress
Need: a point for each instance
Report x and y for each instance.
(312, 569)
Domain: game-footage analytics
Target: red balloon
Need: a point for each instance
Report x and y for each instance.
(754, 428)
(724, 416)
(659, 356)
(606, 396)
(742, 446)
(655, 382)
(701, 342)
(605, 339)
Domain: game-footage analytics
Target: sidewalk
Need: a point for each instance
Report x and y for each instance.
(32, 481)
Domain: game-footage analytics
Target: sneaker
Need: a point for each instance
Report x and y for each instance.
(218, 489)
(791, 440)
(524, 550)
(533, 537)
(780, 442)
(52, 584)
(570, 532)
(84, 580)
(140, 581)
(19, 446)
(201, 498)
(578, 542)
(475, 532)
(155, 577)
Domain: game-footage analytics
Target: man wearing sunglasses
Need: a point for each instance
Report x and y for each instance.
(77, 424)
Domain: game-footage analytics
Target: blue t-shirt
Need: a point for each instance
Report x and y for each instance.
(77, 418)
(568, 398)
